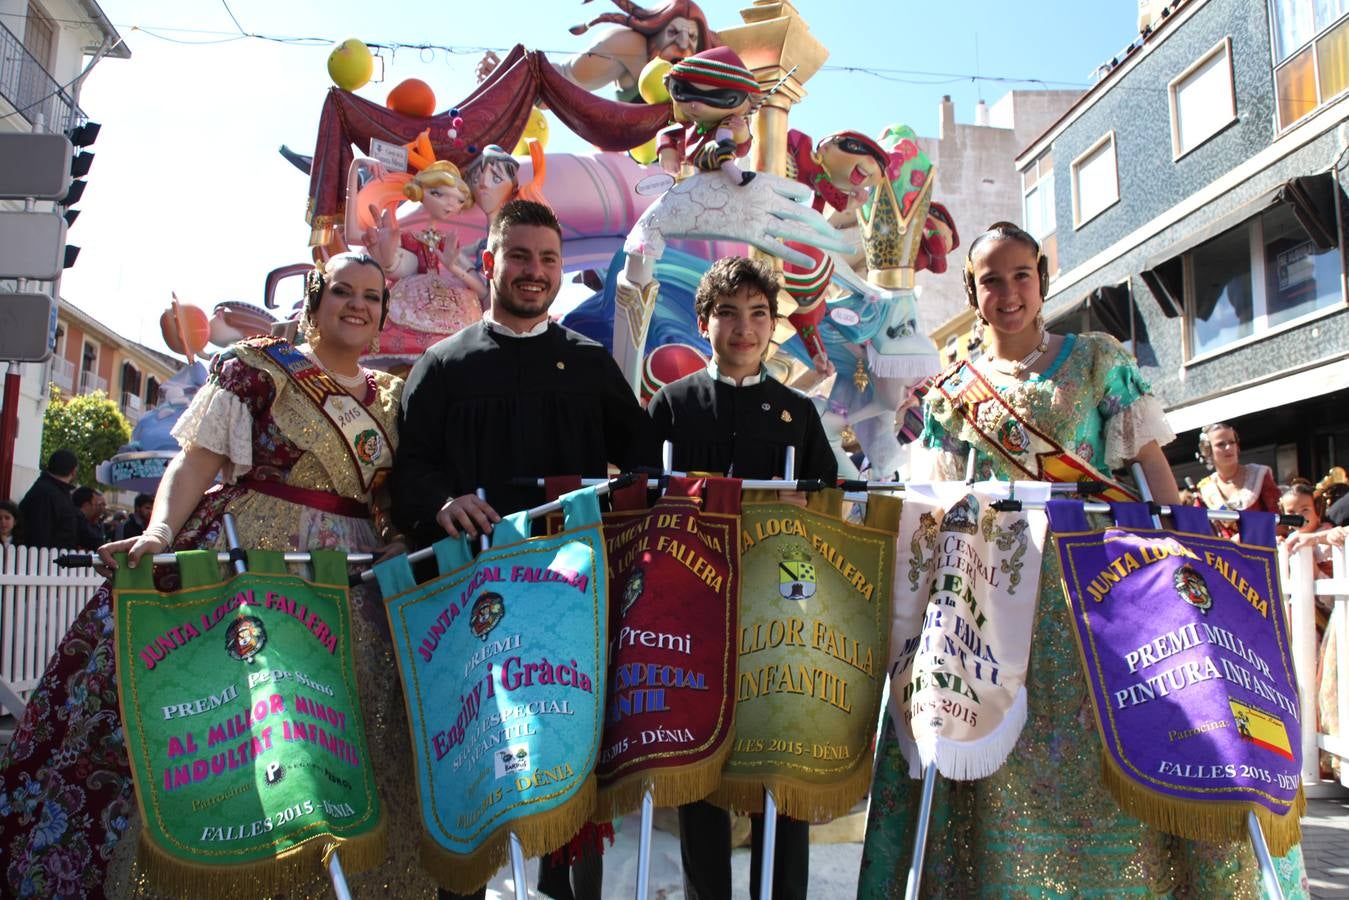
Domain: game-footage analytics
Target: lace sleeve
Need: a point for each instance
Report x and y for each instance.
(217, 420)
(1131, 428)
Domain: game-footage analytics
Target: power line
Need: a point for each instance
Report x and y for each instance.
(915, 76)
(233, 18)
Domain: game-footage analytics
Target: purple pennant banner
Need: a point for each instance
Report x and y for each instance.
(1185, 648)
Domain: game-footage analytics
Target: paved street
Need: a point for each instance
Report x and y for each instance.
(1325, 843)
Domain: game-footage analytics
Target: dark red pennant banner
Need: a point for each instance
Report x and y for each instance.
(674, 600)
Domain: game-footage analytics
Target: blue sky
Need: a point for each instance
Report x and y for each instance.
(188, 193)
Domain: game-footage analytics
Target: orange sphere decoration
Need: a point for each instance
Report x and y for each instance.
(186, 328)
(412, 97)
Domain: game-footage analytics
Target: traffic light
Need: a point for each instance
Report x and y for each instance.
(81, 136)
(36, 167)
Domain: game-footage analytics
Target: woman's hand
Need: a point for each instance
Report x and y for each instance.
(134, 548)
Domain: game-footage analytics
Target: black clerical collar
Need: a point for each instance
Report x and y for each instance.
(747, 381)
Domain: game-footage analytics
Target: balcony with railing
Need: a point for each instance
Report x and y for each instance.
(90, 382)
(63, 373)
(27, 86)
(132, 407)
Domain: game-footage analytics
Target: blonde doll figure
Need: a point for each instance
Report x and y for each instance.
(434, 291)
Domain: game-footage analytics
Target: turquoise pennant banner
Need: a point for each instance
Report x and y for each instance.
(503, 668)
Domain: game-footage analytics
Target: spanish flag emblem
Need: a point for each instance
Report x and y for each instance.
(1261, 728)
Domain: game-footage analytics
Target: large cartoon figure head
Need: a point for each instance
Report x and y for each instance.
(673, 30)
(710, 86)
(853, 162)
(441, 190)
(494, 178)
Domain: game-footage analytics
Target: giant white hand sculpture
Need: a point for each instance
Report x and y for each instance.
(764, 214)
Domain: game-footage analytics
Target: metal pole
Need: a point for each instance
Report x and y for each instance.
(644, 845)
(1267, 875)
(770, 803)
(517, 851)
(9, 428)
(648, 802)
(1145, 491)
(518, 868)
(338, 877)
(85, 560)
(920, 836)
(915, 879)
(240, 566)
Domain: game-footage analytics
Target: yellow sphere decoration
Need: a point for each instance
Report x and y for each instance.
(350, 65)
(644, 154)
(536, 128)
(651, 83)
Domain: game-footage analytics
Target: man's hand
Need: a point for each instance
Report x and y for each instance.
(468, 514)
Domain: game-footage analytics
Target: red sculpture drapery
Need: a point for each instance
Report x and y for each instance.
(495, 113)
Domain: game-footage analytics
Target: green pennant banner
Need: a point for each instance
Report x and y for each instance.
(814, 639)
(243, 726)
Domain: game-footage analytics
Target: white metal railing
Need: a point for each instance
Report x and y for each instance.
(38, 603)
(90, 382)
(1303, 584)
(63, 373)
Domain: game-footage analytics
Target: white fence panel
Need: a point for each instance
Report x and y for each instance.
(1303, 584)
(38, 603)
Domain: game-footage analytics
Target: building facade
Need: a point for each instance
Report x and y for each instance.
(1196, 208)
(45, 48)
(977, 181)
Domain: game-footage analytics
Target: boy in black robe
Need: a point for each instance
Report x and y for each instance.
(733, 418)
(513, 395)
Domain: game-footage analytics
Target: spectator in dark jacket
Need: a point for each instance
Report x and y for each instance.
(50, 518)
(134, 526)
(89, 525)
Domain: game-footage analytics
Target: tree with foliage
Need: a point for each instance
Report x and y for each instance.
(89, 424)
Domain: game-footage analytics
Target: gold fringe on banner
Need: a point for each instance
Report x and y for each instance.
(1203, 820)
(539, 833)
(670, 785)
(292, 872)
(799, 799)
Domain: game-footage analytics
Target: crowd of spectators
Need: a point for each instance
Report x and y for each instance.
(56, 512)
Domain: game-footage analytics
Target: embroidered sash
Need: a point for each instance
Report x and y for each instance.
(1015, 440)
(362, 436)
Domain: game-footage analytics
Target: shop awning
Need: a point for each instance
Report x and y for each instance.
(1312, 198)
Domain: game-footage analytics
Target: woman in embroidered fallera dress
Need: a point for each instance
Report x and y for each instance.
(294, 479)
(1044, 824)
(1233, 484)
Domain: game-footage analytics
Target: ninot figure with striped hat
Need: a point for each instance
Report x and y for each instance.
(711, 93)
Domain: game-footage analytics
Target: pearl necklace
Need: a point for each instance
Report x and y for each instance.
(1016, 367)
(348, 382)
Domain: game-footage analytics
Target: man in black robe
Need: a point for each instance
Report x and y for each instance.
(511, 396)
(735, 419)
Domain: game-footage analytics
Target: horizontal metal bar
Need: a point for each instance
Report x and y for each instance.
(84, 560)
(747, 484)
(1068, 487)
